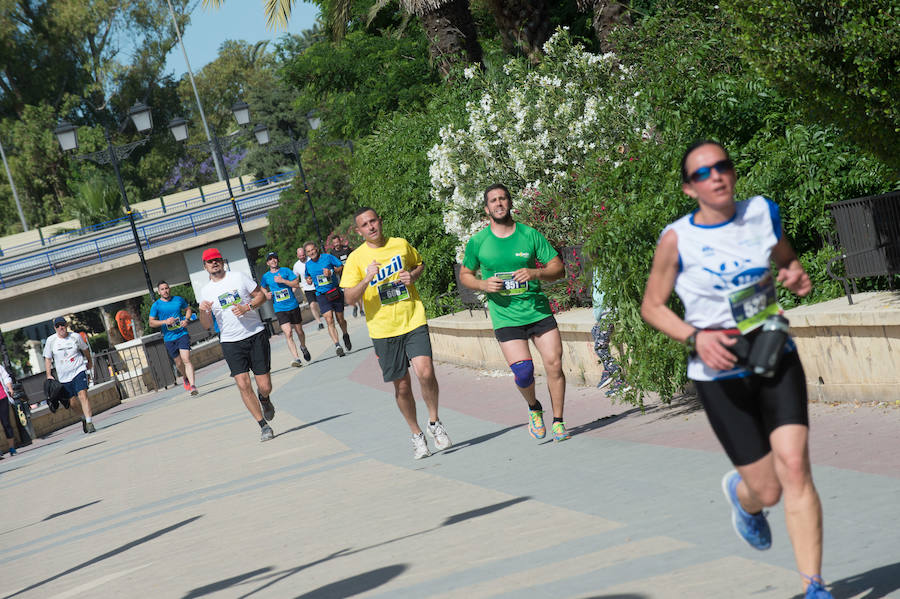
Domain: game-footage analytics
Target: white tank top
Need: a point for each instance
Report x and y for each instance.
(714, 261)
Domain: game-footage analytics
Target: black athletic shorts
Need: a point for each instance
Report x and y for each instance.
(527, 331)
(289, 316)
(743, 412)
(310, 296)
(252, 353)
(394, 353)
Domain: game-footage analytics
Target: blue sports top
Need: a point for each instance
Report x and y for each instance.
(163, 310)
(282, 295)
(315, 269)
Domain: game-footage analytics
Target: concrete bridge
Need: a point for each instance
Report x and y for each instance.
(104, 267)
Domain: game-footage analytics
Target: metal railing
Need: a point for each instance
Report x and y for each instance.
(107, 247)
(164, 209)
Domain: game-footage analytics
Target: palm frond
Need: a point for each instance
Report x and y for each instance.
(278, 13)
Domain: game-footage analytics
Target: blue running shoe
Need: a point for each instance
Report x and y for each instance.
(753, 528)
(816, 589)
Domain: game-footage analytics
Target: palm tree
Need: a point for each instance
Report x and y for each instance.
(606, 16)
(278, 12)
(524, 25)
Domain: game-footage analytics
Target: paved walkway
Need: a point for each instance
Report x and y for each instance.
(176, 497)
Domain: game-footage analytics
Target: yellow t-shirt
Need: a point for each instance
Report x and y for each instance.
(392, 308)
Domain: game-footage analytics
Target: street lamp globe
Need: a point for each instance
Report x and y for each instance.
(141, 116)
(241, 112)
(67, 135)
(314, 121)
(178, 127)
(262, 134)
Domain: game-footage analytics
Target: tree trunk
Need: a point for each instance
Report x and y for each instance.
(523, 25)
(451, 35)
(112, 329)
(606, 16)
(133, 306)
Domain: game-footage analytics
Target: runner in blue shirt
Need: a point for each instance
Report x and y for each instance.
(278, 284)
(322, 271)
(171, 313)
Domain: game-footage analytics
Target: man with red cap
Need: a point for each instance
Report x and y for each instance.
(231, 298)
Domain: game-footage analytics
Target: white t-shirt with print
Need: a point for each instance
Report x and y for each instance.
(65, 352)
(300, 270)
(234, 288)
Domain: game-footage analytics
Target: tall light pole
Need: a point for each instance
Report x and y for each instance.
(293, 147)
(178, 127)
(13, 185)
(140, 114)
(187, 63)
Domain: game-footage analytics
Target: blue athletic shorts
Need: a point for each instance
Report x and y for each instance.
(79, 383)
(173, 347)
(327, 306)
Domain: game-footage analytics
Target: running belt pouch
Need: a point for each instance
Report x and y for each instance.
(333, 295)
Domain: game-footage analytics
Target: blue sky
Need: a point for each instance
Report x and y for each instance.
(235, 20)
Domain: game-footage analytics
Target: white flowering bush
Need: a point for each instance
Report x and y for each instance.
(532, 128)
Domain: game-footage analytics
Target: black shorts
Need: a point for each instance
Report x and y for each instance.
(252, 353)
(310, 296)
(743, 412)
(527, 331)
(174, 347)
(289, 316)
(394, 353)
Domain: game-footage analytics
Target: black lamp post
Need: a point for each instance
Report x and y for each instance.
(66, 134)
(294, 147)
(178, 127)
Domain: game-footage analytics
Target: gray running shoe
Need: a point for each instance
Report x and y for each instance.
(194, 390)
(420, 447)
(347, 343)
(439, 435)
(267, 433)
(339, 351)
(321, 326)
(296, 363)
(89, 427)
(268, 409)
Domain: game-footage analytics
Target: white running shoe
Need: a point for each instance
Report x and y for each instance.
(439, 435)
(420, 447)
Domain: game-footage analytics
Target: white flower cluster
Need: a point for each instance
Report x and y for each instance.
(530, 131)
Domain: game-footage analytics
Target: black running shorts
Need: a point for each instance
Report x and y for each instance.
(394, 353)
(289, 316)
(743, 412)
(252, 353)
(527, 331)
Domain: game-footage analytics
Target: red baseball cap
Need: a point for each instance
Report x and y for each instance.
(211, 254)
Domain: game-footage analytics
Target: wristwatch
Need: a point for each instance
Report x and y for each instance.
(691, 342)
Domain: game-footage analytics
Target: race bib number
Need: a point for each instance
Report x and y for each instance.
(510, 285)
(226, 300)
(392, 292)
(281, 294)
(175, 327)
(322, 280)
(751, 305)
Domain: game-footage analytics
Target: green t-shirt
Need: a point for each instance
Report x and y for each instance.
(521, 304)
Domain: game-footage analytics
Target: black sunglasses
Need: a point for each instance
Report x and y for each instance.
(56, 326)
(703, 173)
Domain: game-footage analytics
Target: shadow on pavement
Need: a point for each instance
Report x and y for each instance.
(879, 582)
(618, 596)
(355, 585)
(107, 555)
(481, 439)
(70, 510)
(112, 424)
(483, 511)
(601, 422)
(225, 584)
(308, 424)
(86, 446)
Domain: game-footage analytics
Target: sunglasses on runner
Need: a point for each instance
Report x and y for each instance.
(703, 173)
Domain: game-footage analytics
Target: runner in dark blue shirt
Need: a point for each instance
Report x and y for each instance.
(322, 271)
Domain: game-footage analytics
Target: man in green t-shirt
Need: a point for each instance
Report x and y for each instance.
(506, 253)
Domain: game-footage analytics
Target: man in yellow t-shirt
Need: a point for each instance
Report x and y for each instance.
(383, 272)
